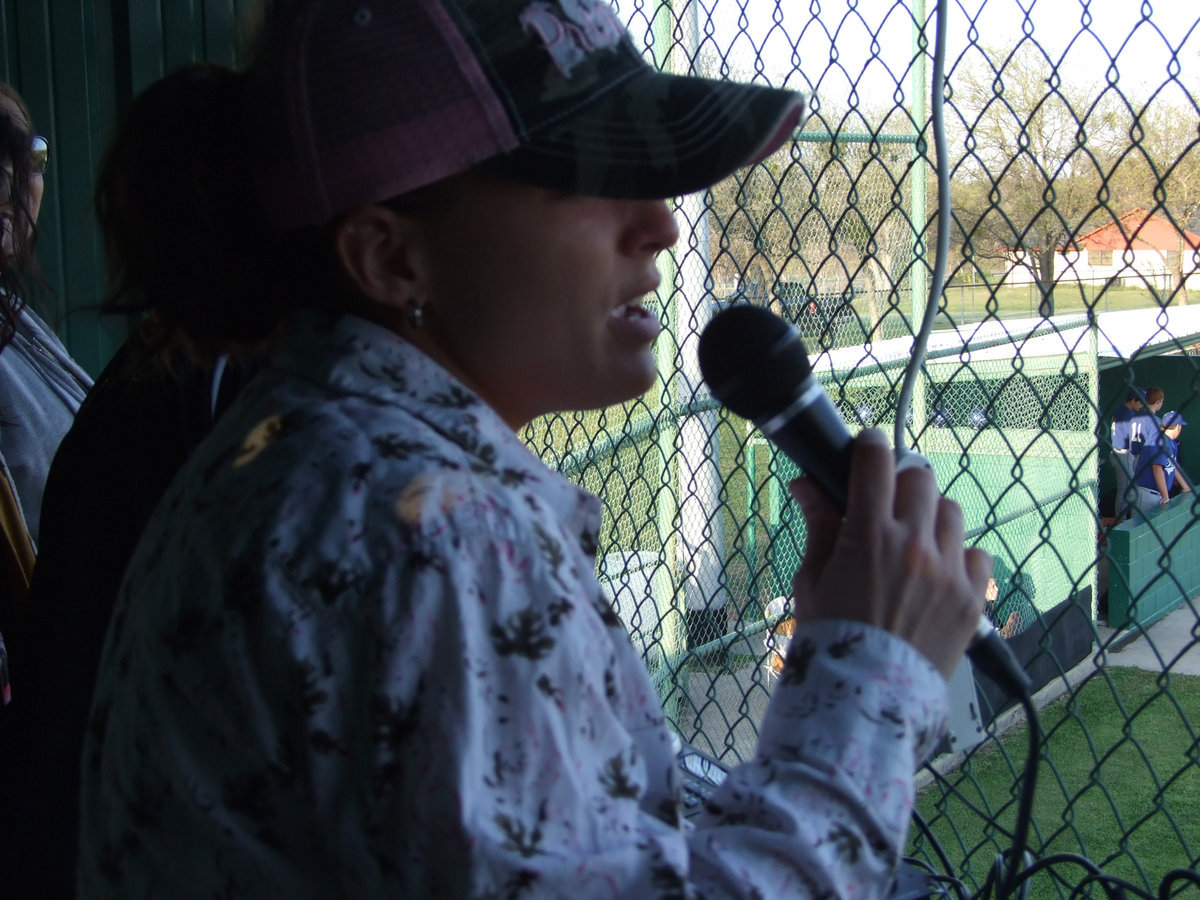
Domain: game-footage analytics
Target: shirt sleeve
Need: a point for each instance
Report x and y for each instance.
(1158, 454)
(529, 757)
(824, 807)
(471, 720)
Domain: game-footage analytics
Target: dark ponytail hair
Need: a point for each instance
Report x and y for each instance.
(188, 250)
(19, 273)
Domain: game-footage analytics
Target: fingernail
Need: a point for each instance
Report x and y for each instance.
(873, 436)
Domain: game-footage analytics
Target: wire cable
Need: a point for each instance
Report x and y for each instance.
(927, 832)
(1020, 839)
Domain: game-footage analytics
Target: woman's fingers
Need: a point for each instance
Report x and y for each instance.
(823, 522)
(917, 499)
(822, 517)
(979, 571)
(948, 529)
(896, 561)
(872, 479)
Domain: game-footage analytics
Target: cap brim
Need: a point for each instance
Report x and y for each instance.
(656, 136)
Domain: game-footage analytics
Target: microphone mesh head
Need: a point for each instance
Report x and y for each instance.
(752, 361)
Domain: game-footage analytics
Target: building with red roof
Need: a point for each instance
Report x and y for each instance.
(1137, 249)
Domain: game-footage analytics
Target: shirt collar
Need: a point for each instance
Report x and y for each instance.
(354, 356)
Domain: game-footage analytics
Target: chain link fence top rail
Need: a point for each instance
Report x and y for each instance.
(1073, 128)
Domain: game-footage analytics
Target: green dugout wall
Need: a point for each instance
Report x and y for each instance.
(78, 63)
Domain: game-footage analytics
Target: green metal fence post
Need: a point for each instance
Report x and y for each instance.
(667, 500)
(1093, 496)
(752, 517)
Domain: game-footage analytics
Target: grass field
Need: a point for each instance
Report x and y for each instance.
(1119, 783)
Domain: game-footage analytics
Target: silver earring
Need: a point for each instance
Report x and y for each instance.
(416, 314)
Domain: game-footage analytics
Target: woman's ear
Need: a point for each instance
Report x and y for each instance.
(373, 245)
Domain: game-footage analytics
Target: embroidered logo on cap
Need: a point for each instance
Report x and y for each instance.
(577, 28)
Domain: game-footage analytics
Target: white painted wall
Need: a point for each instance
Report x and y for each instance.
(1133, 268)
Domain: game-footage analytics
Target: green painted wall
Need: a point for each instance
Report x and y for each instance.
(1026, 497)
(1154, 560)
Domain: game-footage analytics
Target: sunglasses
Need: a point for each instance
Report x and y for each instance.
(39, 154)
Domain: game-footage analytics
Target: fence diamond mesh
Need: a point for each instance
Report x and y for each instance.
(1073, 128)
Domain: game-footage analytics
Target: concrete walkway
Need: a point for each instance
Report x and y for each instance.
(1170, 644)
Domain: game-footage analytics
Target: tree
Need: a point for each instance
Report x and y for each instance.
(1033, 154)
(754, 219)
(829, 215)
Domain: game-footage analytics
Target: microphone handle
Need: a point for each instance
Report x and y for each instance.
(812, 434)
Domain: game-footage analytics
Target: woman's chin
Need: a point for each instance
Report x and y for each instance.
(638, 378)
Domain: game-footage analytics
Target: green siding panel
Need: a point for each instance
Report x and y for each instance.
(1154, 558)
(78, 63)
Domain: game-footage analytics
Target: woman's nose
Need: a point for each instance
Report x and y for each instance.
(653, 227)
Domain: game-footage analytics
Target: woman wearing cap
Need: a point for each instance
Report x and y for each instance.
(361, 650)
(1158, 465)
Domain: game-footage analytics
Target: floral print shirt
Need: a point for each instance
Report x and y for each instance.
(361, 652)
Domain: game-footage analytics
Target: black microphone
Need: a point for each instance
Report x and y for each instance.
(756, 364)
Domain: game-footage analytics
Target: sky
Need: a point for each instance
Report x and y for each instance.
(839, 41)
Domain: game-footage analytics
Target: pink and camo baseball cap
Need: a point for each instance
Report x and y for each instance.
(352, 102)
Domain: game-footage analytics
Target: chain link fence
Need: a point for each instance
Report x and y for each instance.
(1073, 132)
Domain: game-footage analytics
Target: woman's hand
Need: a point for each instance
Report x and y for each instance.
(896, 560)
